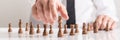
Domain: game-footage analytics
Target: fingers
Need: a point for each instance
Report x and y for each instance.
(46, 11)
(99, 21)
(104, 22)
(34, 12)
(43, 11)
(40, 11)
(53, 8)
(113, 25)
(63, 11)
(110, 22)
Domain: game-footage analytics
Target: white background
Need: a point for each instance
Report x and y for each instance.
(13, 10)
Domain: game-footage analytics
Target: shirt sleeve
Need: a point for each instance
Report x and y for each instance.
(106, 7)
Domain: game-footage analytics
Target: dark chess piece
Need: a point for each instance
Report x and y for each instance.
(31, 32)
(95, 27)
(10, 28)
(38, 28)
(65, 29)
(76, 28)
(84, 30)
(72, 30)
(51, 31)
(20, 27)
(45, 30)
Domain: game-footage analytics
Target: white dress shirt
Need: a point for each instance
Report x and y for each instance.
(87, 10)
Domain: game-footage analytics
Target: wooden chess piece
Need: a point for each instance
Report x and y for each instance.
(84, 30)
(60, 33)
(65, 29)
(20, 31)
(72, 30)
(45, 30)
(38, 28)
(10, 28)
(20, 27)
(76, 28)
(88, 28)
(20, 23)
(95, 27)
(59, 19)
(26, 29)
(31, 32)
(50, 31)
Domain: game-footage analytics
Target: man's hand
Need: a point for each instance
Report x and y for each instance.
(103, 20)
(47, 11)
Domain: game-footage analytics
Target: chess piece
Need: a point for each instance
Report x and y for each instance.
(84, 30)
(10, 28)
(72, 30)
(45, 30)
(26, 29)
(76, 28)
(88, 28)
(60, 33)
(38, 28)
(20, 23)
(51, 31)
(20, 31)
(20, 27)
(31, 32)
(95, 27)
(59, 19)
(65, 29)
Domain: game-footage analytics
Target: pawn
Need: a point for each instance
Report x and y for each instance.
(50, 31)
(95, 27)
(10, 28)
(84, 30)
(76, 28)
(59, 19)
(60, 33)
(20, 31)
(31, 32)
(65, 29)
(38, 28)
(20, 27)
(45, 30)
(26, 29)
(20, 23)
(88, 28)
(72, 30)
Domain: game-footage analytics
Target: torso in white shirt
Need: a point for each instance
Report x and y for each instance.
(83, 11)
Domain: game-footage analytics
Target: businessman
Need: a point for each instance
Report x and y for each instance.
(76, 12)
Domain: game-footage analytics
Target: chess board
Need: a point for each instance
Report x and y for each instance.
(101, 35)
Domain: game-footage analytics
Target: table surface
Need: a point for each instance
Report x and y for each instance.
(101, 35)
